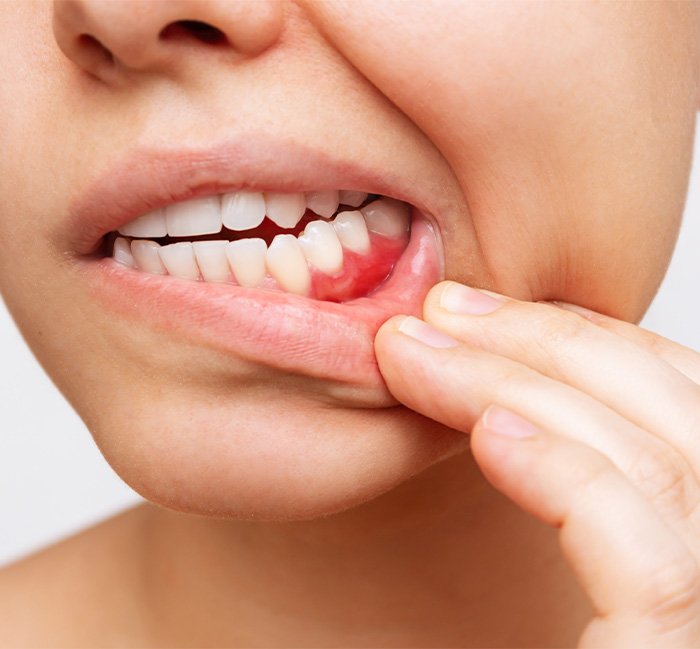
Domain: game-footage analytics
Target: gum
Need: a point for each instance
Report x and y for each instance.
(361, 274)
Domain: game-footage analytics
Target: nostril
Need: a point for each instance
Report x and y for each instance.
(95, 49)
(202, 32)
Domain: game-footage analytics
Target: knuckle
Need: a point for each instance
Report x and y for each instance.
(555, 332)
(664, 478)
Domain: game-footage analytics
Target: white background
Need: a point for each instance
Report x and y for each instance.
(53, 481)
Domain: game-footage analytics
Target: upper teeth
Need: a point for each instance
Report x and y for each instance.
(324, 203)
(247, 260)
(198, 216)
(242, 210)
(285, 210)
(386, 217)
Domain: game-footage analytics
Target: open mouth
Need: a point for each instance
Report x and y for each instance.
(333, 245)
(247, 249)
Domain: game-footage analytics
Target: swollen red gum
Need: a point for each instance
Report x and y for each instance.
(361, 274)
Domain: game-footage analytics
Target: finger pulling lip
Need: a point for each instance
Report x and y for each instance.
(312, 338)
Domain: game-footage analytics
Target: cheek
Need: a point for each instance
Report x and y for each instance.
(571, 144)
(38, 156)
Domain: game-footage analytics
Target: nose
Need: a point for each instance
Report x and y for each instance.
(109, 37)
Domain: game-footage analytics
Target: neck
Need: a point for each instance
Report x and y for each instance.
(442, 560)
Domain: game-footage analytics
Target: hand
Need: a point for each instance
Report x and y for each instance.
(587, 422)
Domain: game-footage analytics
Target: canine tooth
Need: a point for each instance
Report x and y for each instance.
(321, 247)
(324, 203)
(151, 224)
(352, 198)
(242, 210)
(285, 210)
(387, 216)
(287, 264)
(179, 259)
(146, 256)
(211, 259)
(122, 252)
(351, 229)
(198, 216)
(247, 260)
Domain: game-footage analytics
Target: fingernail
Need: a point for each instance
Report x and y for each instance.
(463, 300)
(506, 423)
(426, 334)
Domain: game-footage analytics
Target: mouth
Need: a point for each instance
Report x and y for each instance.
(327, 245)
(296, 278)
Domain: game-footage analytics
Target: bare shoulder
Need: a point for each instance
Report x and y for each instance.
(76, 592)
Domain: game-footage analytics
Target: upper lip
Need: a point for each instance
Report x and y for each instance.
(148, 178)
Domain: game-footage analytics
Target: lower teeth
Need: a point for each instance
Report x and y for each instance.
(336, 261)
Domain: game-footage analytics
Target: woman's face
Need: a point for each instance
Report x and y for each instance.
(546, 146)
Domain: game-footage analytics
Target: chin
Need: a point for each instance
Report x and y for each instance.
(288, 462)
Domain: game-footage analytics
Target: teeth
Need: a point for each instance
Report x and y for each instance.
(247, 260)
(151, 224)
(211, 259)
(198, 216)
(387, 216)
(179, 259)
(351, 229)
(323, 203)
(289, 260)
(287, 264)
(147, 257)
(122, 252)
(321, 247)
(285, 210)
(242, 210)
(352, 198)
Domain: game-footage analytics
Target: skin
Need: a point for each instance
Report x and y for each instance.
(557, 151)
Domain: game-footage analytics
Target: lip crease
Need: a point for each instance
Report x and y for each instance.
(312, 338)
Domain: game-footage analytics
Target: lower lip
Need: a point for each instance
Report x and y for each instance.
(311, 338)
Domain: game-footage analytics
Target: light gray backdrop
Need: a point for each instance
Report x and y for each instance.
(53, 481)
